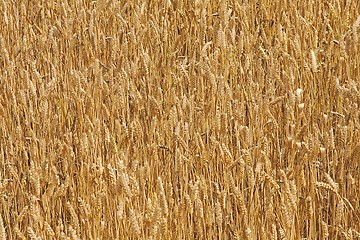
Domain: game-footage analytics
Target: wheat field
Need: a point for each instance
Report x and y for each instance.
(188, 119)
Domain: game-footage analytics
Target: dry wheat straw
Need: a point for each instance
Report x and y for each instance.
(2, 229)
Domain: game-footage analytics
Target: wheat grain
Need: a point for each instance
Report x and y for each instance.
(258, 99)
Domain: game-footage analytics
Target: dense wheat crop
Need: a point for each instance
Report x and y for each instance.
(189, 119)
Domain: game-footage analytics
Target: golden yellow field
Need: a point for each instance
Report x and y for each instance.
(188, 119)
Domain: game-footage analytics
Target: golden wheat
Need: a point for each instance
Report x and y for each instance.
(179, 119)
